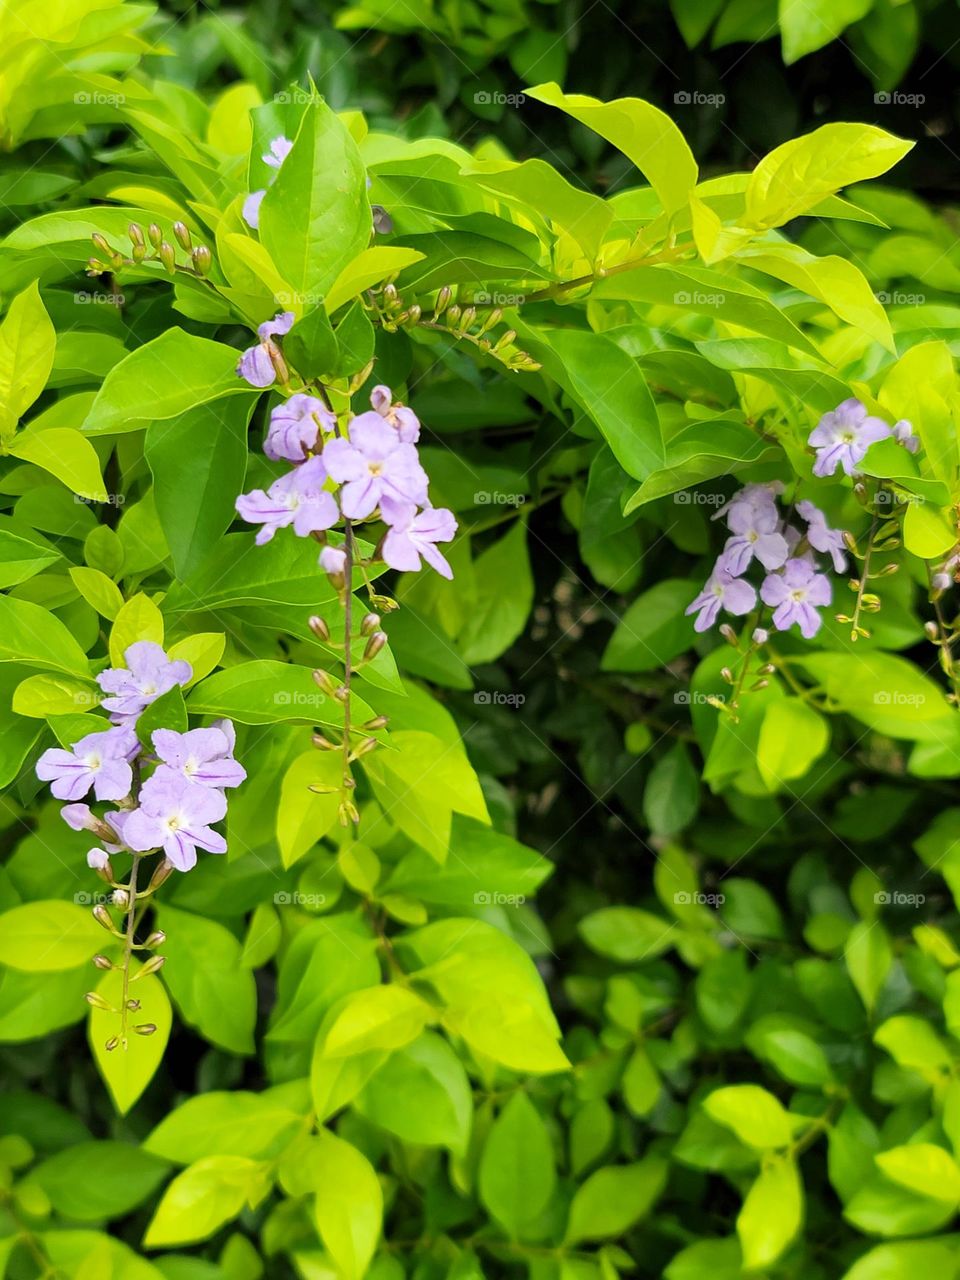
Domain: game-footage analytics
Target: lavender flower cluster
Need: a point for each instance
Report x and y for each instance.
(175, 807)
(372, 471)
(842, 437)
(793, 585)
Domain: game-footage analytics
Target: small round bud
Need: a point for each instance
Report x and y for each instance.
(202, 259)
(135, 232)
(111, 1044)
(760, 635)
(443, 300)
(97, 1001)
(376, 642)
(133, 1005)
(102, 243)
(930, 628)
(120, 898)
(102, 962)
(150, 966)
(162, 873)
(322, 743)
(102, 916)
(182, 233)
(156, 939)
(168, 257)
(154, 235)
(145, 1028)
(369, 624)
(378, 722)
(726, 674)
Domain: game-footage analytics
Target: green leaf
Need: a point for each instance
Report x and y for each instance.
(497, 617)
(208, 1194)
(265, 692)
(923, 1168)
(349, 1204)
(128, 1069)
(27, 345)
(517, 1170)
(792, 737)
(421, 1094)
(771, 1215)
(304, 817)
(382, 1017)
(99, 591)
(66, 454)
(754, 1115)
(92, 1181)
(790, 1048)
(795, 177)
(315, 217)
(163, 379)
(806, 25)
(198, 460)
(31, 635)
(138, 619)
(614, 1198)
(627, 934)
(671, 796)
(211, 988)
(368, 268)
(237, 1123)
(645, 134)
(653, 631)
(868, 958)
(47, 695)
(42, 937)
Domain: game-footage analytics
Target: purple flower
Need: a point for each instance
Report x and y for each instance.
(251, 208)
(793, 593)
(376, 468)
(98, 859)
(722, 589)
(843, 436)
(755, 502)
(904, 434)
(405, 421)
(333, 560)
(821, 537)
(99, 760)
(258, 365)
(754, 525)
(295, 426)
(79, 817)
(280, 148)
(175, 815)
(148, 674)
(202, 756)
(415, 535)
(298, 498)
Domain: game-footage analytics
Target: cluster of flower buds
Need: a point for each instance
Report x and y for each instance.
(462, 323)
(792, 585)
(151, 247)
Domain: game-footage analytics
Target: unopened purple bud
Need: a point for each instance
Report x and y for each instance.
(760, 636)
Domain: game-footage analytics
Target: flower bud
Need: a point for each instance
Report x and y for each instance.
(930, 628)
(182, 232)
(102, 243)
(111, 1044)
(145, 1028)
(156, 939)
(95, 267)
(728, 634)
(348, 813)
(370, 623)
(279, 364)
(163, 871)
(319, 628)
(202, 259)
(376, 642)
(505, 340)
(168, 257)
(341, 693)
(491, 319)
(102, 917)
(390, 292)
(139, 252)
(120, 898)
(443, 301)
(322, 789)
(150, 966)
(102, 962)
(453, 314)
(726, 674)
(325, 681)
(467, 317)
(154, 235)
(94, 998)
(133, 1005)
(365, 747)
(760, 635)
(323, 744)
(378, 722)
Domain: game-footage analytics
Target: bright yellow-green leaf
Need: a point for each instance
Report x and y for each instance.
(42, 937)
(50, 695)
(303, 816)
(203, 651)
(928, 531)
(755, 1115)
(128, 1071)
(349, 1204)
(792, 736)
(98, 590)
(384, 1017)
(771, 1214)
(27, 345)
(368, 268)
(924, 1168)
(67, 454)
(139, 619)
(204, 1196)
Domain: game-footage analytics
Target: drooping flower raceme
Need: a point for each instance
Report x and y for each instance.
(843, 436)
(280, 148)
(262, 364)
(299, 499)
(794, 594)
(148, 674)
(793, 582)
